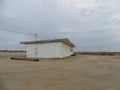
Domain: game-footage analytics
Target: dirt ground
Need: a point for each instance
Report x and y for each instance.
(81, 72)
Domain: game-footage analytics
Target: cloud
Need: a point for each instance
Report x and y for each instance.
(90, 24)
(7, 14)
(73, 6)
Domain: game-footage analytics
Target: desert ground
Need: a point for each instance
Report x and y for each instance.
(80, 72)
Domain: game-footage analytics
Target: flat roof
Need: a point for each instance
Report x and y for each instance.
(64, 40)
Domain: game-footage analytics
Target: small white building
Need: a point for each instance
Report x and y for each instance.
(55, 48)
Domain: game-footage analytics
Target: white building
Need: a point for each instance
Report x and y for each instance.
(56, 48)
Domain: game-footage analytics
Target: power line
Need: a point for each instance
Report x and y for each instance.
(6, 30)
(1, 29)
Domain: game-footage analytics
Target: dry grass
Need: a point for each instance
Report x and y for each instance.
(80, 72)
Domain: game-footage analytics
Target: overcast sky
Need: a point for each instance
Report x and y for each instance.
(92, 25)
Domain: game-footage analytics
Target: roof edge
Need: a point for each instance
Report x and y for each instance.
(64, 40)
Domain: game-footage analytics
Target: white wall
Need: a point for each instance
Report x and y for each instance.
(45, 50)
(48, 50)
(31, 49)
(66, 50)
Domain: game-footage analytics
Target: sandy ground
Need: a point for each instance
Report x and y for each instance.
(81, 72)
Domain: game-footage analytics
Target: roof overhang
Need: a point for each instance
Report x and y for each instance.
(65, 40)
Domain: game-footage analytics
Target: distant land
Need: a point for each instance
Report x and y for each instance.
(81, 53)
(12, 51)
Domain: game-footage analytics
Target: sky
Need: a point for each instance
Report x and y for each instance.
(92, 25)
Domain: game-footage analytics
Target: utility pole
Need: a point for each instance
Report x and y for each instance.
(36, 49)
(36, 36)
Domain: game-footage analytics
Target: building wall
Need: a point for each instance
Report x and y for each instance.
(66, 50)
(48, 50)
(31, 49)
(45, 50)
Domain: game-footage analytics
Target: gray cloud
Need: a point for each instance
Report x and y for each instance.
(93, 25)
